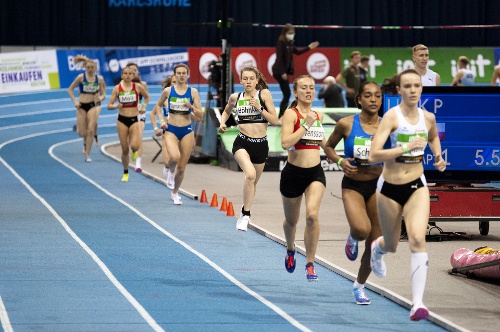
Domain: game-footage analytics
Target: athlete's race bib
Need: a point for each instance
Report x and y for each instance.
(414, 156)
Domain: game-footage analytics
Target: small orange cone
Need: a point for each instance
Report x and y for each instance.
(214, 202)
(223, 205)
(230, 210)
(203, 198)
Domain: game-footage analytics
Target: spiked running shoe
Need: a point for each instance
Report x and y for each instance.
(242, 223)
(176, 199)
(134, 155)
(125, 177)
(360, 296)
(377, 262)
(311, 273)
(351, 248)
(419, 313)
(290, 261)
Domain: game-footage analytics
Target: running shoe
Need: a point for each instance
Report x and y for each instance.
(125, 177)
(134, 155)
(360, 296)
(290, 261)
(242, 223)
(311, 273)
(87, 159)
(170, 180)
(176, 199)
(418, 313)
(377, 262)
(165, 172)
(351, 248)
(138, 169)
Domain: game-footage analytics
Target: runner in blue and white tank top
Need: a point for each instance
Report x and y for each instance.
(359, 183)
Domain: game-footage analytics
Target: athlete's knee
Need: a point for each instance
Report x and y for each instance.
(312, 218)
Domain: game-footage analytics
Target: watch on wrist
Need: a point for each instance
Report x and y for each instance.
(306, 126)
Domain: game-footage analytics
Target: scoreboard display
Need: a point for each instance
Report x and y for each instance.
(468, 123)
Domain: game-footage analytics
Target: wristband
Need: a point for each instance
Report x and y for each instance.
(162, 121)
(305, 126)
(405, 148)
(262, 109)
(155, 128)
(340, 161)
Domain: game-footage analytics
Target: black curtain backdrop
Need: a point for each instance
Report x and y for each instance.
(184, 23)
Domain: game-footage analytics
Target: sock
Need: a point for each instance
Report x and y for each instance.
(378, 250)
(125, 171)
(138, 161)
(356, 284)
(290, 252)
(419, 267)
(309, 264)
(245, 212)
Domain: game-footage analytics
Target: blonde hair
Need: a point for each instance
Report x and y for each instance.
(81, 58)
(463, 60)
(354, 53)
(419, 47)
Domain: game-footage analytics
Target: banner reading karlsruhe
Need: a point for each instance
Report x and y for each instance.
(28, 71)
(154, 64)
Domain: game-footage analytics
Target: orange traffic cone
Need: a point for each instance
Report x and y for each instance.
(230, 210)
(203, 198)
(214, 202)
(223, 205)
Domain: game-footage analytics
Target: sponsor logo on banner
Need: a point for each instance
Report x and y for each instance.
(318, 66)
(244, 60)
(204, 64)
(28, 71)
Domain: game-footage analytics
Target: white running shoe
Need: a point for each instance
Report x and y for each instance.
(170, 180)
(87, 159)
(176, 198)
(242, 223)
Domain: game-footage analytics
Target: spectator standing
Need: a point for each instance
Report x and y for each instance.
(283, 66)
(351, 75)
(421, 58)
(464, 76)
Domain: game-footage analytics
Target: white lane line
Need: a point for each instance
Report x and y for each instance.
(54, 110)
(73, 119)
(256, 295)
(151, 322)
(4, 318)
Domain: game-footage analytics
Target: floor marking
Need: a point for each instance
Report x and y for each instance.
(4, 318)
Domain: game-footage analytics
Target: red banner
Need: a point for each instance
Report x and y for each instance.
(318, 63)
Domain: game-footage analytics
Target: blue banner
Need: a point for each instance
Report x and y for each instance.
(154, 64)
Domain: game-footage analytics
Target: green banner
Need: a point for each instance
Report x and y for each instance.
(387, 62)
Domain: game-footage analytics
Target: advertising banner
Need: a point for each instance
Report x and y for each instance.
(28, 71)
(387, 62)
(154, 64)
(318, 63)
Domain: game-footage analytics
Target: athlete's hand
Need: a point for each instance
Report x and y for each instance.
(417, 144)
(439, 163)
(347, 167)
(222, 128)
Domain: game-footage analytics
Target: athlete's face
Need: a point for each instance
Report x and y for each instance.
(305, 90)
(135, 70)
(248, 80)
(90, 67)
(410, 88)
(127, 74)
(370, 99)
(421, 58)
(181, 74)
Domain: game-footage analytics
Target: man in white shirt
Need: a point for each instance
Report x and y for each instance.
(421, 58)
